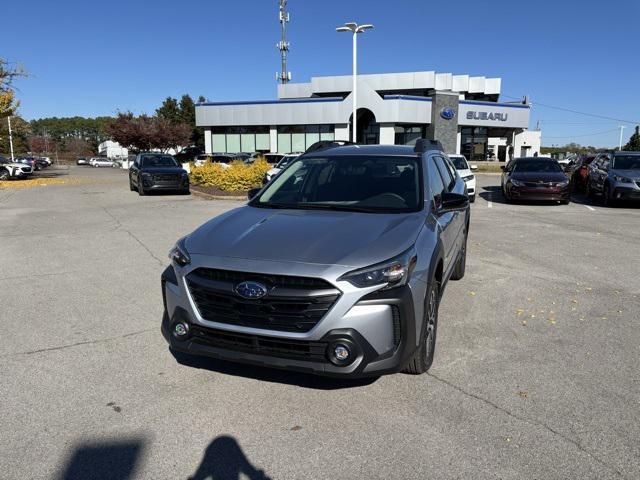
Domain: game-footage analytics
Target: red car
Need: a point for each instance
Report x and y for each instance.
(581, 173)
(535, 178)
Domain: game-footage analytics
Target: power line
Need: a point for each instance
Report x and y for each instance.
(578, 112)
(584, 135)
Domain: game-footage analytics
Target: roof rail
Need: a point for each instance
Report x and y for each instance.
(424, 145)
(326, 144)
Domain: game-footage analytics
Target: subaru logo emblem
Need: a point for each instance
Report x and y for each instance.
(251, 290)
(447, 113)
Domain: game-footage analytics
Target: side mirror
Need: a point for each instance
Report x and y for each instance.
(253, 192)
(453, 202)
(474, 167)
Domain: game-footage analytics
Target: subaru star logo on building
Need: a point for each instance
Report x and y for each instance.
(447, 113)
(251, 290)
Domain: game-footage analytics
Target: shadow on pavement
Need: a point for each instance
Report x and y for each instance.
(268, 374)
(224, 460)
(104, 460)
(494, 194)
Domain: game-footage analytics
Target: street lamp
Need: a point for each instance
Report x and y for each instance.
(355, 29)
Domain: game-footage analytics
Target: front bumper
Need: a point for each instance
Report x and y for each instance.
(310, 355)
(540, 194)
(151, 185)
(626, 193)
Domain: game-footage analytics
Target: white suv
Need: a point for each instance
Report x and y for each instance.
(465, 171)
(9, 169)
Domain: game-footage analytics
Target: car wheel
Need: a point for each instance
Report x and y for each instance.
(131, 187)
(4, 174)
(588, 191)
(141, 191)
(606, 196)
(461, 264)
(565, 202)
(472, 198)
(423, 356)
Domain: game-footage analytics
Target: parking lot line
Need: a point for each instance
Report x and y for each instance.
(590, 208)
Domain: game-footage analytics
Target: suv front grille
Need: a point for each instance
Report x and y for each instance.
(274, 347)
(166, 178)
(292, 304)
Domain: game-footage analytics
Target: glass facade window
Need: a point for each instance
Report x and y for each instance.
(240, 139)
(409, 134)
(474, 143)
(297, 138)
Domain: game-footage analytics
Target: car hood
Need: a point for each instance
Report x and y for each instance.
(539, 176)
(15, 165)
(350, 239)
(634, 174)
(465, 172)
(273, 171)
(156, 170)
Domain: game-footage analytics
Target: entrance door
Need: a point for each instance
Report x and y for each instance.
(368, 129)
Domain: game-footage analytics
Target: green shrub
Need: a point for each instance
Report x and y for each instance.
(237, 177)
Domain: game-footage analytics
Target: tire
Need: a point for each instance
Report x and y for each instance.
(565, 202)
(472, 199)
(588, 191)
(606, 196)
(131, 187)
(186, 191)
(141, 191)
(422, 359)
(461, 264)
(4, 174)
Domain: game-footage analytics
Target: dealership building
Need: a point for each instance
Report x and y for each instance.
(463, 112)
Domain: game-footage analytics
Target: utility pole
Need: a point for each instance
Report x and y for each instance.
(10, 137)
(620, 142)
(284, 76)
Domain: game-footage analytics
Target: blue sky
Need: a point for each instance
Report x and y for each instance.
(94, 58)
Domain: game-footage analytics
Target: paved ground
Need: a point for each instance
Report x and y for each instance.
(535, 376)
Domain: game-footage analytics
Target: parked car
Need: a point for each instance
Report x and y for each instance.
(284, 161)
(27, 161)
(102, 162)
(202, 159)
(616, 176)
(580, 172)
(13, 170)
(465, 171)
(241, 156)
(157, 171)
(535, 178)
(41, 162)
(82, 161)
(336, 267)
(271, 158)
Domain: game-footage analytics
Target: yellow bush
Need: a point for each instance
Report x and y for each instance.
(238, 176)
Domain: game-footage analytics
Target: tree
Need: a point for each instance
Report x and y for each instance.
(40, 145)
(148, 133)
(634, 142)
(169, 110)
(8, 73)
(20, 132)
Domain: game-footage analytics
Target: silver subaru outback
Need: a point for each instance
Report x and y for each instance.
(336, 267)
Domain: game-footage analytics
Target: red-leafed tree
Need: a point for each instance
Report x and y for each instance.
(148, 133)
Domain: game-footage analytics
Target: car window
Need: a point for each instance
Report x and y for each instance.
(447, 177)
(158, 161)
(375, 184)
(459, 162)
(530, 166)
(436, 184)
(627, 162)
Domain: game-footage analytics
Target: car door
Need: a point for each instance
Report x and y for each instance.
(445, 220)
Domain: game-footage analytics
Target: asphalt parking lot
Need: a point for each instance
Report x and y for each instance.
(536, 370)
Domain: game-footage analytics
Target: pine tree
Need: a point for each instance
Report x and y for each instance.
(634, 142)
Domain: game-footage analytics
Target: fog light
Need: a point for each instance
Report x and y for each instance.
(181, 330)
(341, 352)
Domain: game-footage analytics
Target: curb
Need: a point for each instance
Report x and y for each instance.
(216, 197)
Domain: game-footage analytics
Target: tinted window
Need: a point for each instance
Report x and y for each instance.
(435, 180)
(529, 166)
(359, 183)
(447, 177)
(627, 162)
(158, 161)
(459, 162)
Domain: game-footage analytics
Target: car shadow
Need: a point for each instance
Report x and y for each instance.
(272, 375)
(494, 194)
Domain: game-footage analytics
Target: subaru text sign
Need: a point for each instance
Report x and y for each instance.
(483, 114)
(502, 117)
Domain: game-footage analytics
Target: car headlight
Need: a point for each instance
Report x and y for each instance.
(146, 174)
(562, 184)
(394, 272)
(468, 178)
(179, 253)
(620, 179)
(517, 183)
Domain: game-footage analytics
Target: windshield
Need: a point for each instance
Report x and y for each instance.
(459, 162)
(285, 161)
(158, 161)
(356, 183)
(626, 162)
(531, 166)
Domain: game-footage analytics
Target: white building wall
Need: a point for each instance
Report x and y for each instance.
(342, 132)
(387, 134)
(527, 138)
(207, 141)
(273, 139)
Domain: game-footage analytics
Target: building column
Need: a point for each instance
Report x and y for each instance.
(207, 141)
(342, 132)
(444, 119)
(459, 142)
(273, 139)
(387, 134)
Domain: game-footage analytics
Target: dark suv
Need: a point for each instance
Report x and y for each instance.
(616, 176)
(157, 171)
(336, 267)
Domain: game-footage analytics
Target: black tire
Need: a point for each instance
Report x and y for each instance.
(461, 264)
(472, 198)
(565, 202)
(423, 356)
(607, 200)
(4, 174)
(131, 187)
(186, 191)
(588, 191)
(141, 191)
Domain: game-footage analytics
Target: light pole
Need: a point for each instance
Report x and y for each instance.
(620, 142)
(10, 136)
(355, 29)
